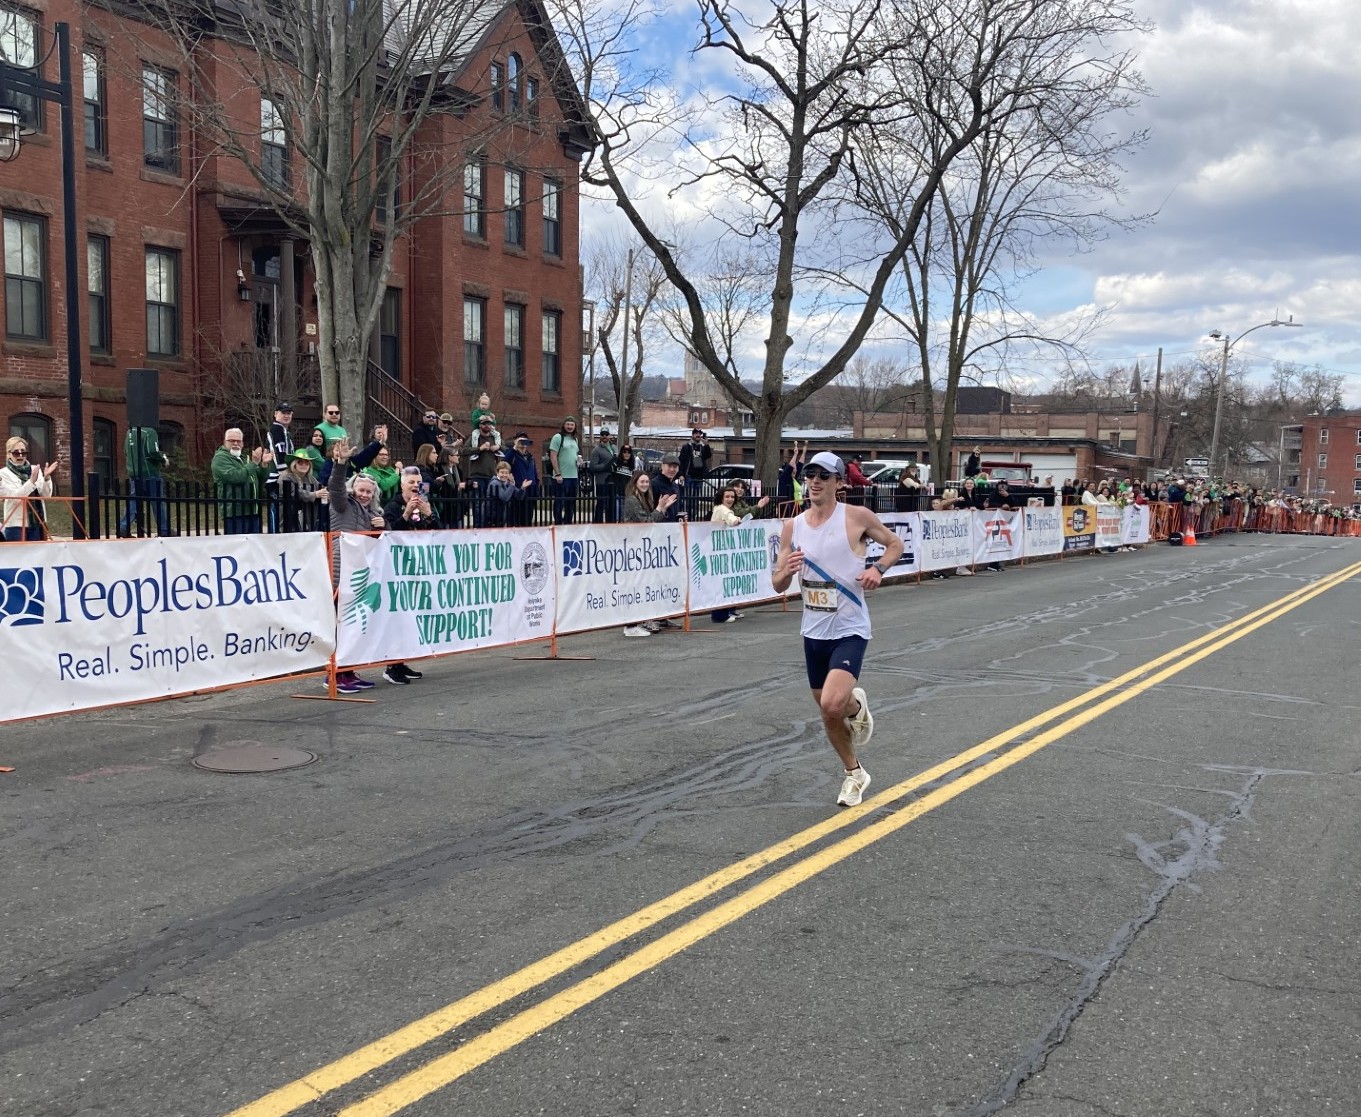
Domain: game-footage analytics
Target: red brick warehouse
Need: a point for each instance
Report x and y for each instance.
(187, 268)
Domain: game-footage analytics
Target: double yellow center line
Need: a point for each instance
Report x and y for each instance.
(446, 1068)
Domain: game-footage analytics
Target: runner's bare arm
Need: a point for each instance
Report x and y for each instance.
(864, 524)
(789, 562)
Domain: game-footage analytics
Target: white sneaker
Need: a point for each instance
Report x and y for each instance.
(862, 725)
(963, 572)
(635, 630)
(853, 788)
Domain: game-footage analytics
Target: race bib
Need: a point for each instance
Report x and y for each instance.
(821, 597)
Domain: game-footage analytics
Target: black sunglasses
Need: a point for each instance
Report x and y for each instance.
(18, 453)
(817, 473)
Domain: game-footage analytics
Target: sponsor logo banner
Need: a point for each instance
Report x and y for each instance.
(731, 565)
(1079, 527)
(404, 595)
(1136, 523)
(998, 536)
(1109, 525)
(907, 527)
(105, 623)
(610, 574)
(1043, 531)
(946, 539)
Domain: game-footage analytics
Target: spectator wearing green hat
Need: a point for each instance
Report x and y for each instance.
(301, 497)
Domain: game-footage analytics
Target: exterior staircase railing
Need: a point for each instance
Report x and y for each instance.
(393, 403)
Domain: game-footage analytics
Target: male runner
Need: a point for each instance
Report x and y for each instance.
(825, 547)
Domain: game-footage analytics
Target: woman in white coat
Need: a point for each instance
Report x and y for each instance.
(21, 479)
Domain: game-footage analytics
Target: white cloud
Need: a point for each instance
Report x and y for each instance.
(1252, 165)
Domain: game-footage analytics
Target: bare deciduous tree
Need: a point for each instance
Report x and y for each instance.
(818, 83)
(625, 281)
(1030, 182)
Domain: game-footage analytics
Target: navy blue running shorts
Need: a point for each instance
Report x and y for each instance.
(824, 656)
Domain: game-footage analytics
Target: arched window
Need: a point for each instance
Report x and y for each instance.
(106, 460)
(515, 80)
(36, 430)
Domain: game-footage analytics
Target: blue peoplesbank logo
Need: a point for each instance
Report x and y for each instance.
(21, 596)
(573, 558)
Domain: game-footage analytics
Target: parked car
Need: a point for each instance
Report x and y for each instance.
(720, 475)
(887, 472)
(883, 476)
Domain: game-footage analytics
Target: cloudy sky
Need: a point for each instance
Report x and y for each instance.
(1253, 168)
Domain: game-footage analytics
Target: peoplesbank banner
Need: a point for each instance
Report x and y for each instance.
(732, 565)
(97, 624)
(1043, 530)
(946, 540)
(407, 594)
(611, 574)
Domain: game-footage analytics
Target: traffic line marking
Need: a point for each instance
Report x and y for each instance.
(447, 1068)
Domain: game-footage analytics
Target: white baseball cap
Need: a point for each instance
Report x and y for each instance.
(830, 462)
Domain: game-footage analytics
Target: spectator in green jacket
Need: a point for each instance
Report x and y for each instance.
(237, 479)
(142, 452)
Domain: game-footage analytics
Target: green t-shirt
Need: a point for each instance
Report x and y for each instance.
(334, 432)
(568, 448)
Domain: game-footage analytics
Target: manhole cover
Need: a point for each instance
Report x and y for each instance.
(245, 759)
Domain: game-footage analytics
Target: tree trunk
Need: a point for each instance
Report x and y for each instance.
(770, 416)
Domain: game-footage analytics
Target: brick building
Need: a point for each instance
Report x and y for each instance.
(186, 269)
(1330, 457)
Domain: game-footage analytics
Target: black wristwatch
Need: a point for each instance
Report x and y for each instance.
(879, 568)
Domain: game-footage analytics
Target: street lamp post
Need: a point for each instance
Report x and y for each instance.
(27, 80)
(1224, 375)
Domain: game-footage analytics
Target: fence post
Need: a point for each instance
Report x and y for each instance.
(92, 495)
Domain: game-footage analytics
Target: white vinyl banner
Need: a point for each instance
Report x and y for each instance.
(1136, 524)
(946, 539)
(732, 565)
(997, 535)
(612, 574)
(101, 623)
(1109, 525)
(907, 527)
(1043, 530)
(406, 594)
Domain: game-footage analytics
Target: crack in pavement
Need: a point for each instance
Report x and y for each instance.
(1199, 843)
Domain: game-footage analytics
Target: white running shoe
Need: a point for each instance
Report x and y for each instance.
(853, 788)
(635, 630)
(963, 572)
(862, 725)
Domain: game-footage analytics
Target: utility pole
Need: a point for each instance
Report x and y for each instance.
(1157, 404)
(1219, 405)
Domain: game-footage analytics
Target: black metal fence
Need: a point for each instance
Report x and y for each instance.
(118, 507)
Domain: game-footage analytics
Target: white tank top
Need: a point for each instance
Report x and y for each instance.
(833, 601)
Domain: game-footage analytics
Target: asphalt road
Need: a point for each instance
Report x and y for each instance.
(621, 885)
